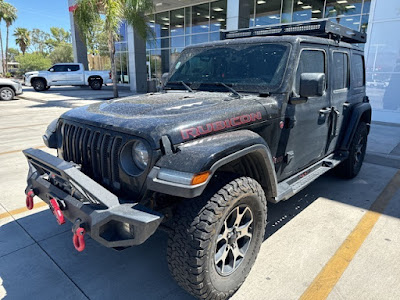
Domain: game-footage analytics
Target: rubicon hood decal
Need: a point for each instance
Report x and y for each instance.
(220, 125)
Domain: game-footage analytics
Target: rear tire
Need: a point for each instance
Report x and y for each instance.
(7, 94)
(96, 84)
(39, 85)
(352, 165)
(216, 238)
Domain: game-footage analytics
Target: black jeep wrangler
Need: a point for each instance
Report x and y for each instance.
(253, 118)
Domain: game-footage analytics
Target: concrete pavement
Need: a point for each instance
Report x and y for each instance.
(38, 260)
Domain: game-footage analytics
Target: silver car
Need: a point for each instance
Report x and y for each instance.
(9, 88)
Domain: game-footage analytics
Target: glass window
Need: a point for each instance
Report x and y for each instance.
(73, 68)
(200, 18)
(357, 71)
(199, 38)
(218, 15)
(307, 10)
(174, 55)
(311, 61)
(364, 23)
(177, 22)
(188, 21)
(215, 36)
(268, 12)
(337, 8)
(162, 24)
(60, 68)
(367, 6)
(341, 71)
(352, 22)
(177, 42)
(287, 10)
(247, 67)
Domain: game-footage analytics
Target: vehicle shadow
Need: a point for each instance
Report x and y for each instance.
(141, 272)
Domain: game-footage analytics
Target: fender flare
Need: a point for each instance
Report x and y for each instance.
(359, 112)
(210, 154)
(38, 77)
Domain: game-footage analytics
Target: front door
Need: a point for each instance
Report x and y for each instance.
(59, 75)
(306, 124)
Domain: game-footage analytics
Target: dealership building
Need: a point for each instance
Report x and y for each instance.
(179, 23)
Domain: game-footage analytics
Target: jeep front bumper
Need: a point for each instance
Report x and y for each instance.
(97, 210)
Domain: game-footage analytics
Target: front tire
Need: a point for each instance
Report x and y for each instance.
(39, 85)
(7, 94)
(352, 165)
(216, 238)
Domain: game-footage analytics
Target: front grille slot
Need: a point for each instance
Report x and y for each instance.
(96, 151)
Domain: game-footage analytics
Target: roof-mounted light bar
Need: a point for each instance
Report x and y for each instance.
(323, 28)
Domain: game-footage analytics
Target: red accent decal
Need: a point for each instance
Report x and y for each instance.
(220, 125)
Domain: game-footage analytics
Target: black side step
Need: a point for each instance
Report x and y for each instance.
(299, 181)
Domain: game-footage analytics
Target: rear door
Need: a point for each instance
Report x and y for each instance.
(306, 123)
(340, 83)
(75, 75)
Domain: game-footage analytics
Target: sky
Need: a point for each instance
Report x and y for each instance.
(41, 14)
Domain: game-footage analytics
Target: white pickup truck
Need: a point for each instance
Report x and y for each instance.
(66, 74)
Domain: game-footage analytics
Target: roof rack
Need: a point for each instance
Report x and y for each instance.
(324, 28)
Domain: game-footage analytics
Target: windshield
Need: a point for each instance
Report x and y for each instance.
(246, 67)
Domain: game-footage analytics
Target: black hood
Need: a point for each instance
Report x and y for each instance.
(180, 115)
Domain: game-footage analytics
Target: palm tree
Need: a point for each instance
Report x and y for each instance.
(1, 38)
(22, 38)
(88, 12)
(9, 16)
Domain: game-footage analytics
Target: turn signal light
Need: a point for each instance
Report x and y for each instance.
(200, 178)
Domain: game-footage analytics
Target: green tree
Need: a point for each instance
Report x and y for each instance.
(58, 36)
(9, 13)
(88, 12)
(12, 54)
(22, 38)
(39, 40)
(62, 54)
(33, 62)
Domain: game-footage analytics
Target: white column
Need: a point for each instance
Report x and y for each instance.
(137, 62)
(232, 14)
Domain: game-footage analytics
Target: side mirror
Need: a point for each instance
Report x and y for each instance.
(51, 70)
(312, 85)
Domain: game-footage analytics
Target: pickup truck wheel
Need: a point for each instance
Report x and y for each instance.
(95, 84)
(352, 165)
(7, 93)
(216, 238)
(39, 85)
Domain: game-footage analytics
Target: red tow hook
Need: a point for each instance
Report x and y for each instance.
(79, 239)
(29, 199)
(57, 211)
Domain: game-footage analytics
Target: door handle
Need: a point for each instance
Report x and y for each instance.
(325, 111)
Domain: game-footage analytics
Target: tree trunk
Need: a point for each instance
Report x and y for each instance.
(8, 28)
(111, 46)
(2, 52)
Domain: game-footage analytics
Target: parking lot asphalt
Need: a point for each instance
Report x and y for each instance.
(336, 239)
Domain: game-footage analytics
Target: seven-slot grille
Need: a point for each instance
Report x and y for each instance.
(95, 150)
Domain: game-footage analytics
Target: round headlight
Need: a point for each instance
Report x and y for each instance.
(140, 155)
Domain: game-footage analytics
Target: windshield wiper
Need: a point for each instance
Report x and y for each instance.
(183, 83)
(234, 92)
